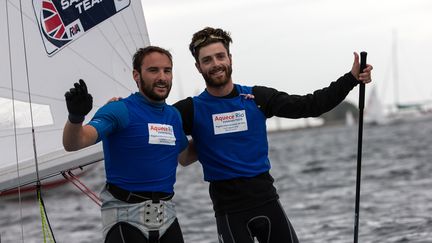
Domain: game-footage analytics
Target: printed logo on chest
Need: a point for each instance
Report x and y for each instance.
(229, 122)
(161, 134)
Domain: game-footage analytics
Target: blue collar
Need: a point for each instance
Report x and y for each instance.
(145, 100)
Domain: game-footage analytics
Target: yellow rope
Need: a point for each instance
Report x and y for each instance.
(45, 228)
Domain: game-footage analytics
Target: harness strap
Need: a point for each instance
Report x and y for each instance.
(153, 236)
(137, 197)
(155, 198)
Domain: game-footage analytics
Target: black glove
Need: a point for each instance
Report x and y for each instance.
(79, 102)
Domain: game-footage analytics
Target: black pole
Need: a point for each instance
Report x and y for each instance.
(359, 146)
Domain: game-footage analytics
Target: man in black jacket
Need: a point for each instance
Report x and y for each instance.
(227, 124)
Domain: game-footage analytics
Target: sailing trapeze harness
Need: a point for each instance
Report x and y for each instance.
(151, 212)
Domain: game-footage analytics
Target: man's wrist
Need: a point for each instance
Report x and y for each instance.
(75, 118)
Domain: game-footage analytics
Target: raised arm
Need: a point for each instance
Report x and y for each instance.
(79, 103)
(76, 136)
(277, 103)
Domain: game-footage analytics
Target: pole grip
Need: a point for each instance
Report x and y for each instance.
(363, 56)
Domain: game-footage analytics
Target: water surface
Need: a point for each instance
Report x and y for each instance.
(315, 173)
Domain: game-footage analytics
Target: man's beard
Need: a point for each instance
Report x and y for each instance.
(218, 82)
(148, 90)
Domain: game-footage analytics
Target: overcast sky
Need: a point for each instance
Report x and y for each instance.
(300, 46)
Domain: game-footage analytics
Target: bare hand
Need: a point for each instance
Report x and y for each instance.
(114, 99)
(365, 75)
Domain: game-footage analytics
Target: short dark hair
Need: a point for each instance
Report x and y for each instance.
(142, 52)
(207, 36)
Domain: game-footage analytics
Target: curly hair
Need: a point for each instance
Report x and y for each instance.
(142, 52)
(207, 36)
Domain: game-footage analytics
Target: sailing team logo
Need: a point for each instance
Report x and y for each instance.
(63, 21)
(52, 25)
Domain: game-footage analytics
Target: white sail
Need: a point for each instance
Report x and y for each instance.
(45, 47)
(374, 109)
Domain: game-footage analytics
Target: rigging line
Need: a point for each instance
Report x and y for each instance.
(14, 122)
(80, 56)
(82, 187)
(138, 28)
(38, 183)
(28, 88)
(46, 225)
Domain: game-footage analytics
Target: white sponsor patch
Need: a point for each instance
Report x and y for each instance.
(230, 122)
(161, 134)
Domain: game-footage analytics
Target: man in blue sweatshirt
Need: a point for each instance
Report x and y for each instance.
(142, 139)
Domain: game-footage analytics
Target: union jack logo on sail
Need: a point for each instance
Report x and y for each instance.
(52, 27)
(53, 24)
(62, 22)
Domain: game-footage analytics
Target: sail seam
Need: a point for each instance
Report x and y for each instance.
(128, 30)
(138, 28)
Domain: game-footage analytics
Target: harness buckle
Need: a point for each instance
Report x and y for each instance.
(153, 214)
